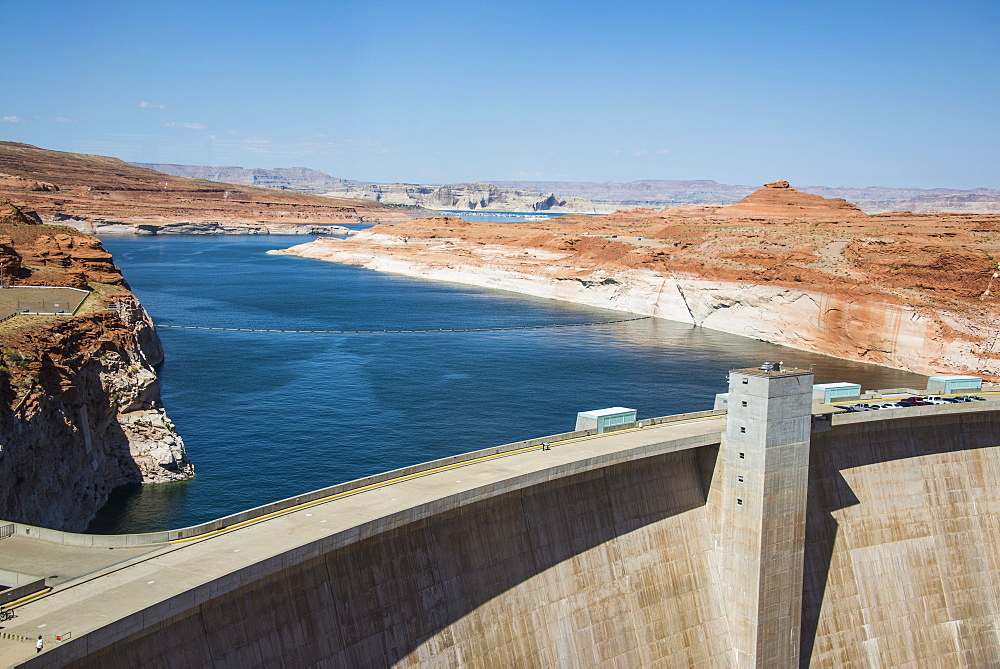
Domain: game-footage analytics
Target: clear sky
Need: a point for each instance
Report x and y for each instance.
(817, 92)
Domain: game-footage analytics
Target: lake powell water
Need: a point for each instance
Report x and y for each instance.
(270, 415)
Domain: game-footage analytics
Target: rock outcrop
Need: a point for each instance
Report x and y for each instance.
(467, 197)
(80, 409)
(778, 198)
(12, 215)
(15, 182)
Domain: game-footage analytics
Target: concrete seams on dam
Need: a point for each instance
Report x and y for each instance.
(609, 551)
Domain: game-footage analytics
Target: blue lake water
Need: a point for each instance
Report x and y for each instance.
(271, 415)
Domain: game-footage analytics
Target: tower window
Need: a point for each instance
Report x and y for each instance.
(742, 456)
(739, 501)
(743, 430)
(743, 403)
(740, 479)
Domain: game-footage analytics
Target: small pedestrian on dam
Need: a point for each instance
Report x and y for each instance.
(39, 644)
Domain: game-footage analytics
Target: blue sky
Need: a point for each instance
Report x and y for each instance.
(819, 93)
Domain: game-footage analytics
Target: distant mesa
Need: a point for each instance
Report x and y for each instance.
(288, 178)
(778, 198)
(578, 196)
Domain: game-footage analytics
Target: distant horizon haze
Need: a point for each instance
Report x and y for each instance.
(855, 94)
(503, 182)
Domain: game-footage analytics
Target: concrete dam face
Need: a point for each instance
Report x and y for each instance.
(876, 543)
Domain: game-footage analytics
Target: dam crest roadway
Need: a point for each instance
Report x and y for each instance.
(649, 545)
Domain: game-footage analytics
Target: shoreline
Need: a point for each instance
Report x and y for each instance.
(879, 333)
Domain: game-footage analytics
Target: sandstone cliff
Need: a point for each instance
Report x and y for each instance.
(904, 291)
(80, 409)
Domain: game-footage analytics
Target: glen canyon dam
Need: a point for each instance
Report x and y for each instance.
(522, 335)
(792, 524)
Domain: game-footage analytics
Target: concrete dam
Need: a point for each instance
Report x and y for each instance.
(771, 535)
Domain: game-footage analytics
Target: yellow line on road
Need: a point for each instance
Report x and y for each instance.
(31, 596)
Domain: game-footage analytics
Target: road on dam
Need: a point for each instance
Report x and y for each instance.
(98, 586)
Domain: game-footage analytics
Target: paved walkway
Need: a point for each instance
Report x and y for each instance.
(85, 603)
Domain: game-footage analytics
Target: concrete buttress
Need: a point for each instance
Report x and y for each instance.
(762, 503)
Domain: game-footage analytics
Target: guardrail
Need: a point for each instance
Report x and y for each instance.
(166, 536)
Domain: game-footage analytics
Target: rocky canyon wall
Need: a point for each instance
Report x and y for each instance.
(80, 415)
(80, 409)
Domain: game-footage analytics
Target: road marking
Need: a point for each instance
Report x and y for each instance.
(31, 596)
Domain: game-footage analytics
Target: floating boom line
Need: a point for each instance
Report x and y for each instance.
(428, 331)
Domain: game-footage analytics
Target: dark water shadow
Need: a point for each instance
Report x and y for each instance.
(134, 507)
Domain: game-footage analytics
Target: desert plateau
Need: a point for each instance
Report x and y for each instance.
(526, 335)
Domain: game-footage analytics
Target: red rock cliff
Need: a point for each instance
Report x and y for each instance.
(80, 409)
